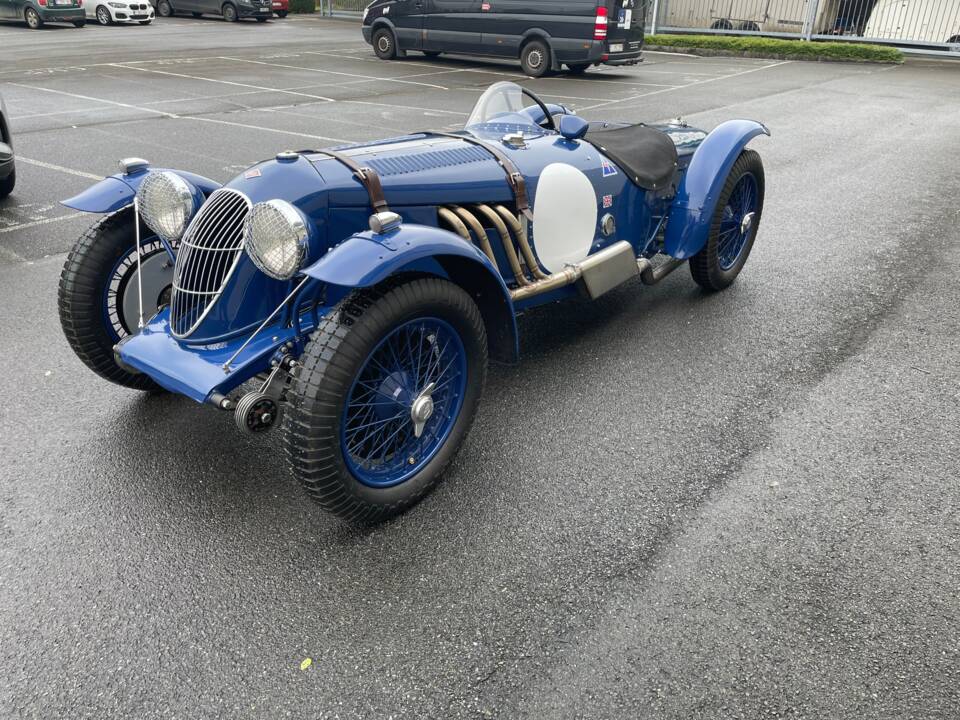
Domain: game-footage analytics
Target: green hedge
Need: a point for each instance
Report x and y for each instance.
(775, 47)
(303, 6)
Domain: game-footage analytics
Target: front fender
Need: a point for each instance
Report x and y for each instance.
(367, 258)
(118, 191)
(692, 209)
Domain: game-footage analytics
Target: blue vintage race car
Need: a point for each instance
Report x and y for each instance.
(361, 290)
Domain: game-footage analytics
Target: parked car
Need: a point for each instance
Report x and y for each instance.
(364, 289)
(36, 13)
(230, 10)
(281, 8)
(543, 34)
(8, 165)
(108, 12)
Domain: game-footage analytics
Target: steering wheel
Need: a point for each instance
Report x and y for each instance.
(548, 121)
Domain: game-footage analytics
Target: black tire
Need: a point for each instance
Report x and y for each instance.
(432, 53)
(103, 16)
(262, 19)
(79, 23)
(282, 13)
(578, 68)
(384, 44)
(722, 25)
(705, 265)
(83, 282)
(32, 18)
(535, 58)
(749, 27)
(8, 183)
(164, 9)
(330, 363)
(955, 40)
(229, 12)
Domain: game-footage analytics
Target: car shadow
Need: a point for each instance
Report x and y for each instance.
(167, 452)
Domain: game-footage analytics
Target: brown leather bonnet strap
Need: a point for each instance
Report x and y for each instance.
(366, 175)
(514, 177)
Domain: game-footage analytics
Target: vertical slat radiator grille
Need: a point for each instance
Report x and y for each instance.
(206, 257)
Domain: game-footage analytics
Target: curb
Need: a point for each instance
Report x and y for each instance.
(712, 52)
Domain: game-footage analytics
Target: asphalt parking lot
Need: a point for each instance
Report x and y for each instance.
(678, 505)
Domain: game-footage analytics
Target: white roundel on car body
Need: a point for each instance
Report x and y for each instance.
(564, 216)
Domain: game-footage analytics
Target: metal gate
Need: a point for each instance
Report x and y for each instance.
(345, 8)
(913, 25)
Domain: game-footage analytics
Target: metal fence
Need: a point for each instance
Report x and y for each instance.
(345, 8)
(910, 24)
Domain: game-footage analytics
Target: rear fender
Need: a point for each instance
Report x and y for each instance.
(368, 258)
(118, 191)
(696, 200)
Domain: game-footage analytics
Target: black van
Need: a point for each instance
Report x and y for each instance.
(544, 34)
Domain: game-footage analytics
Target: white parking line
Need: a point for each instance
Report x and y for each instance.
(355, 76)
(51, 114)
(184, 117)
(424, 110)
(46, 221)
(224, 82)
(698, 82)
(58, 168)
(115, 103)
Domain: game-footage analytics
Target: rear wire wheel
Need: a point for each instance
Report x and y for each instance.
(98, 296)
(387, 390)
(165, 9)
(733, 228)
(229, 12)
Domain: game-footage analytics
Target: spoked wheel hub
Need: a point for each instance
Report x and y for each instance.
(404, 402)
(737, 221)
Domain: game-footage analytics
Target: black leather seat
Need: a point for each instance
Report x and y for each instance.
(646, 155)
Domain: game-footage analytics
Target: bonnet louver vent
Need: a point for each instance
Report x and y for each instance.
(428, 161)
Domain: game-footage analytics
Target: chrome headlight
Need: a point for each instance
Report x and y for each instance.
(166, 203)
(275, 237)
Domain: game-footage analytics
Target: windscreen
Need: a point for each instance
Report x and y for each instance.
(502, 103)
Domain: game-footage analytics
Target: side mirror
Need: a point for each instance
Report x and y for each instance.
(573, 127)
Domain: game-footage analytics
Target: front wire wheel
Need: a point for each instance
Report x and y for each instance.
(99, 295)
(386, 392)
(733, 228)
